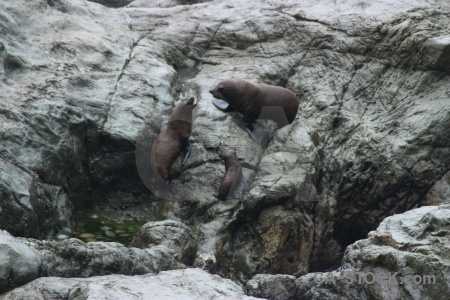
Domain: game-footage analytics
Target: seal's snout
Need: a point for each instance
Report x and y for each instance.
(191, 101)
(215, 93)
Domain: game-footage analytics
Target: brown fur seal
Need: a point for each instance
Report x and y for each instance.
(249, 98)
(173, 141)
(233, 175)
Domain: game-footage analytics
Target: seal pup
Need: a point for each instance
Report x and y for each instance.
(253, 101)
(173, 141)
(233, 175)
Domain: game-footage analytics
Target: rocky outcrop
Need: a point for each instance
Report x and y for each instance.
(19, 264)
(439, 192)
(85, 88)
(159, 3)
(177, 284)
(24, 260)
(273, 287)
(29, 206)
(173, 235)
(405, 258)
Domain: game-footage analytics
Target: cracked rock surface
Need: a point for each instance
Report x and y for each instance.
(86, 88)
(173, 235)
(23, 260)
(406, 257)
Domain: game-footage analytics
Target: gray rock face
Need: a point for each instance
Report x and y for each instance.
(439, 192)
(28, 206)
(274, 287)
(23, 260)
(173, 235)
(161, 3)
(177, 284)
(19, 264)
(84, 86)
(405, 258)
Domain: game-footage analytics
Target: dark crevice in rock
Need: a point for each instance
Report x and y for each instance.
(112, 3)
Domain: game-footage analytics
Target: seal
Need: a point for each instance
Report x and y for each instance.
(233, 175)
(249, 99)
(173, 141)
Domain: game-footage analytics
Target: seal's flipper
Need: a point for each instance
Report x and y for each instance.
(244, 184)
(185, 154)
(168, 188)
(250, 128)
(222, 105)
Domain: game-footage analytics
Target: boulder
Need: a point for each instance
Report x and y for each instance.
(176, 284)
(171, 234)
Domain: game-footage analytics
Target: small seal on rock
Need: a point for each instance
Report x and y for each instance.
(233, 175)
(251, 98)
(173, 141)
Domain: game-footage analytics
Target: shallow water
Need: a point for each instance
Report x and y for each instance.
(92, 228)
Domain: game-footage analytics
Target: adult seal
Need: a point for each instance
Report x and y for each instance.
(173, 141)
(233, 175)
(256, 101)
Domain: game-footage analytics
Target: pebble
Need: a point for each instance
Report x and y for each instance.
(62, 237)
(86, 235)
(93, 216)
(65, 230)
(110, 233)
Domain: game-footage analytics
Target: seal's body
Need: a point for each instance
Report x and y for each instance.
(173, 139)
(254, 100)
(233, 175)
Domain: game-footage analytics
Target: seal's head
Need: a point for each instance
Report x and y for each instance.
(226, 90)
(189, 102)
(183, 111)
(218, 90)
(227, 154)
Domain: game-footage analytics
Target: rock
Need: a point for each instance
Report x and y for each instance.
(171, 234)
(29, 207)
(163, 3)
(439, 192)
(23, 260)
(74, 258)
(273, 232)
(176, 284)
(273, 287)
(85, 88)
(53, 104)
(405, 258)
(19, 264)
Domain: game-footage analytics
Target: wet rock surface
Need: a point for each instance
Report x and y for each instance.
(87, 88)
